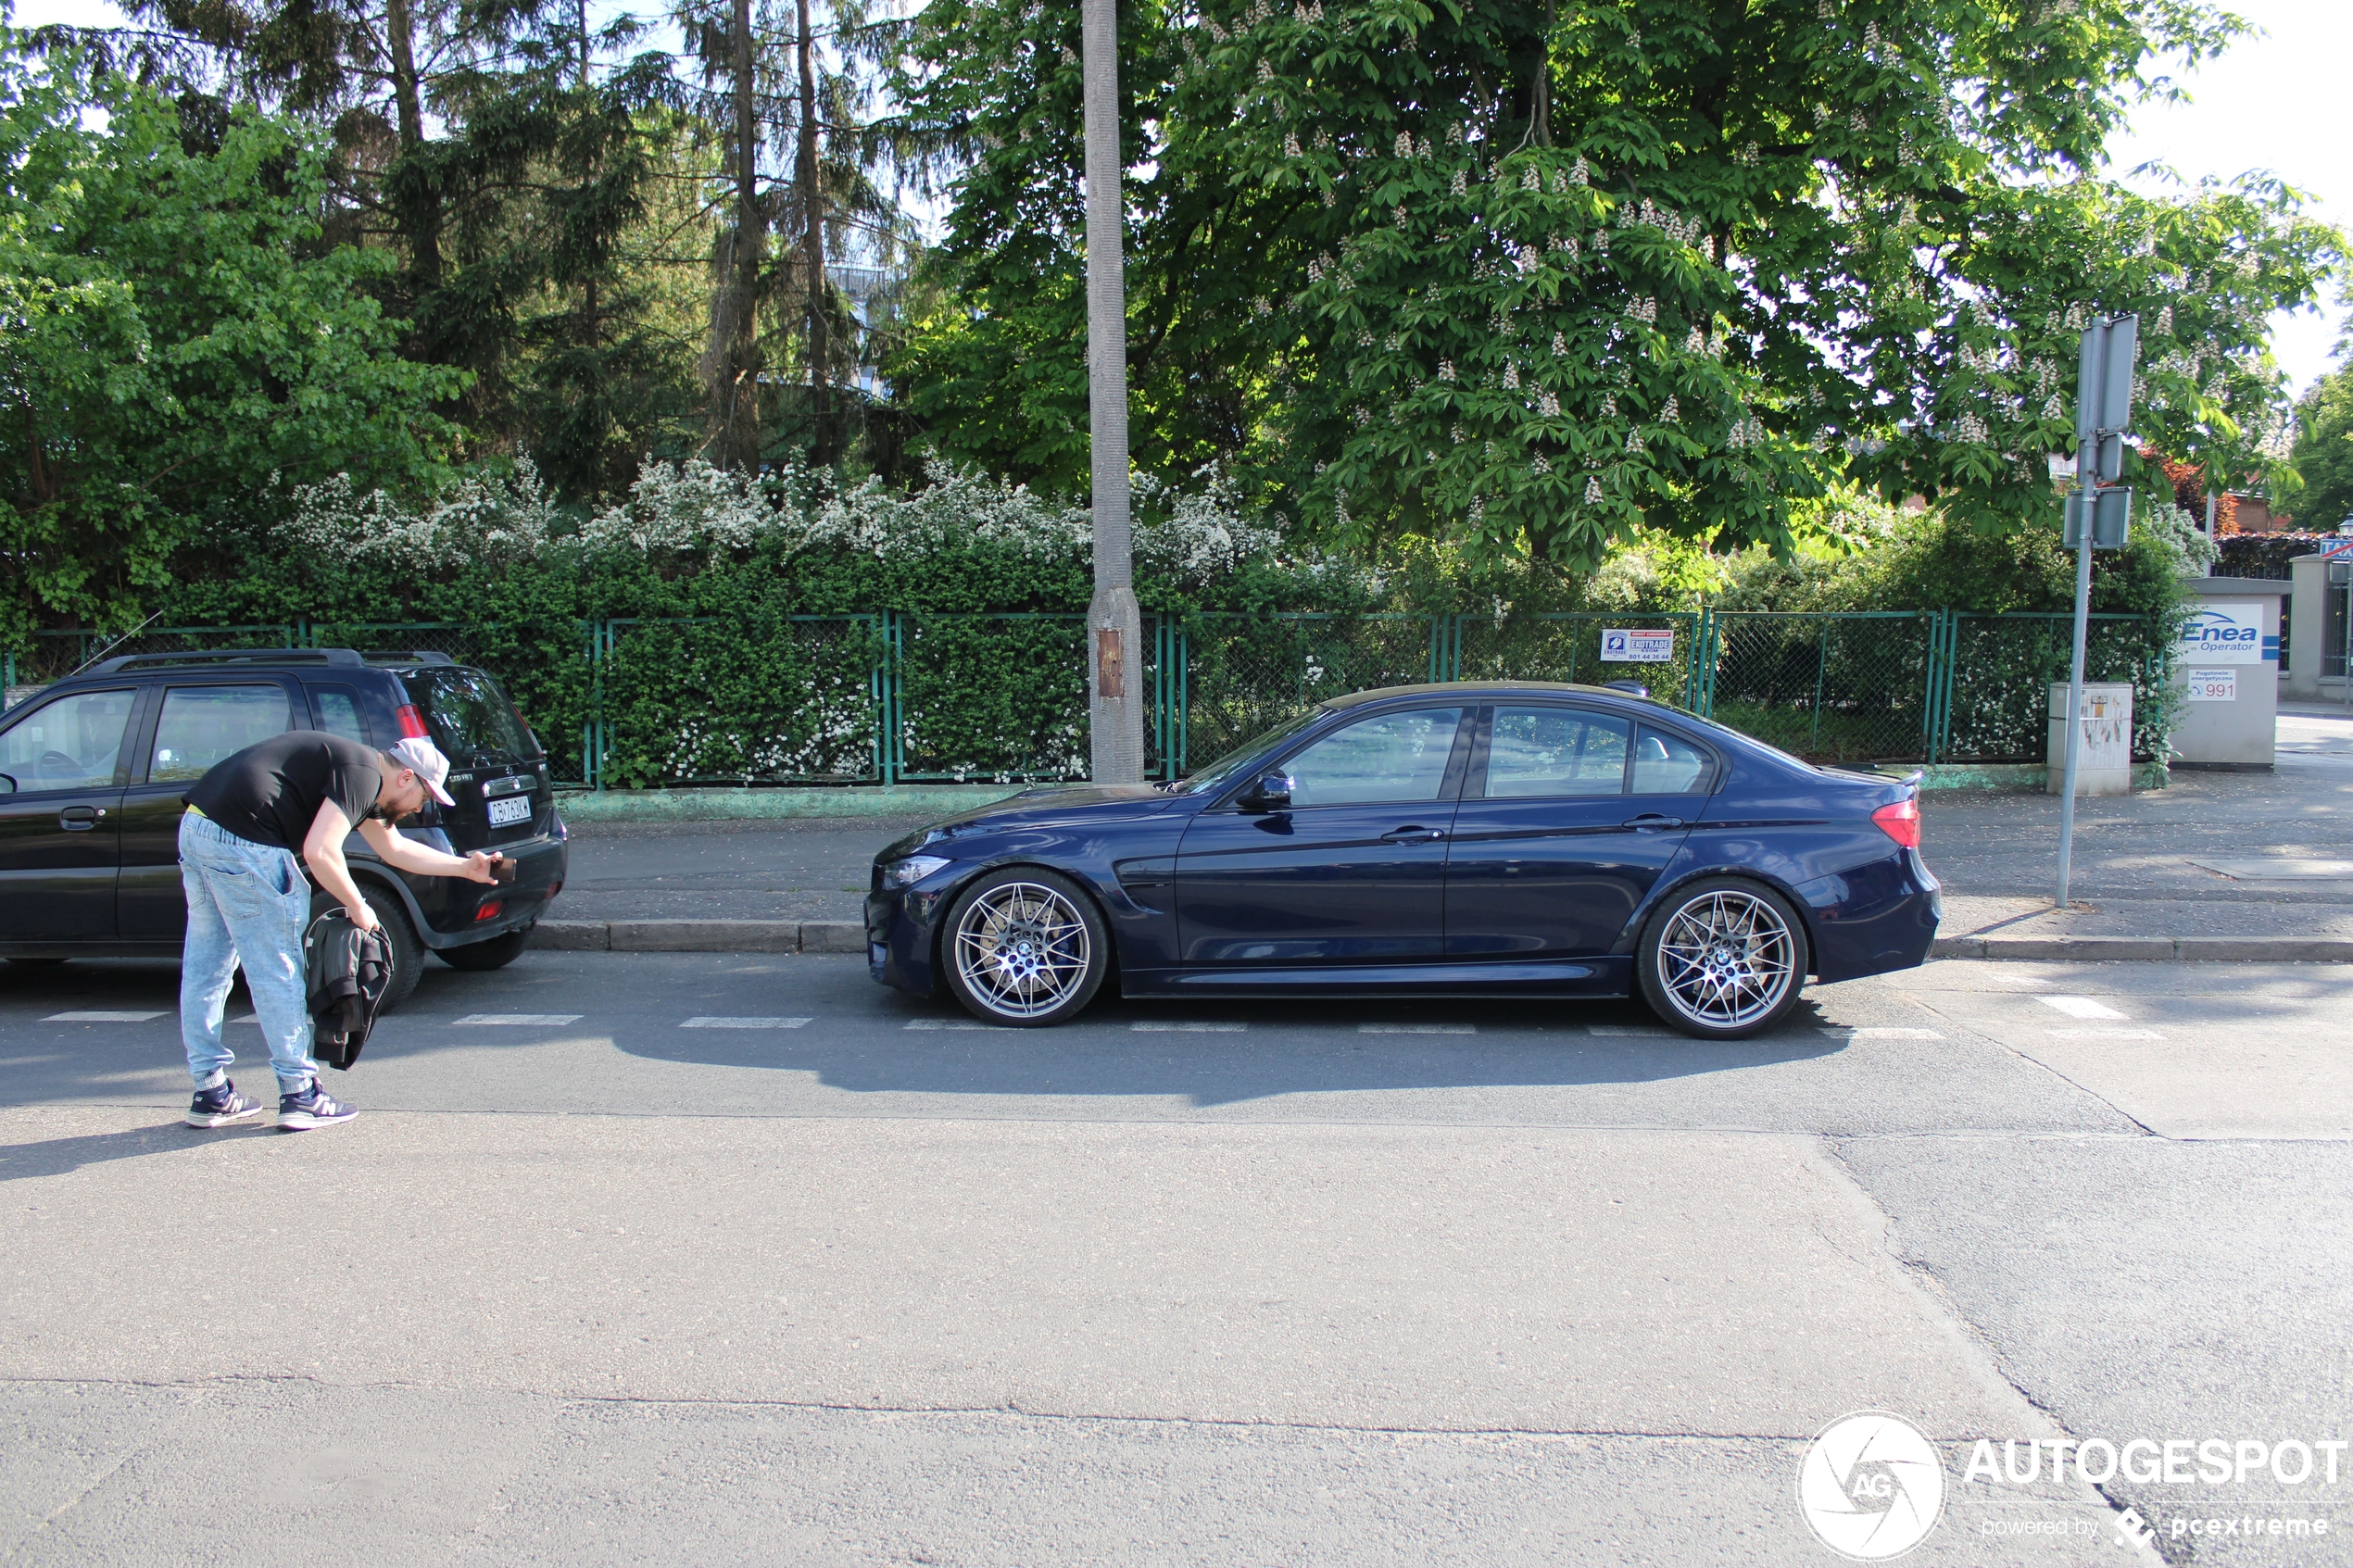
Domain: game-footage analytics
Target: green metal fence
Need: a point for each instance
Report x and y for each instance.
(895, 696)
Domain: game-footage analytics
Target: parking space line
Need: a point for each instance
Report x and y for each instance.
(1879, 1031)
(1184, 1026)
(520, 1019)
(2079, 1007)
(1417, 1029)
(1632, 1031)
(950, 1023)
(744, 1023)
(101, 1015)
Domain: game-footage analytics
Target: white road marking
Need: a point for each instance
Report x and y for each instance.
(524, 1019)
(246, 1018)
(1417, 1029)
(2079, 1007)
(1881, 1032)
(1632, 1031)
(744, 1023)
(2106, 1034)
(950, 1023)
(100, 1015)
(1180, 1027)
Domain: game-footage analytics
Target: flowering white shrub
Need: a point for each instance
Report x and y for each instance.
(690, 506)
(1193, 533)
(493, 519)
(958, 506)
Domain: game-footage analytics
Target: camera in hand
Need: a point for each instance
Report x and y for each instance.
(501, 869)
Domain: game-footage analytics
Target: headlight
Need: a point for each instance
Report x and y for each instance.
(911, 871)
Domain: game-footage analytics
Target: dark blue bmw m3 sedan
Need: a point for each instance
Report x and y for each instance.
(1461, 840)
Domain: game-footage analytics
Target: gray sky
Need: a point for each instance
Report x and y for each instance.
(2271, 103)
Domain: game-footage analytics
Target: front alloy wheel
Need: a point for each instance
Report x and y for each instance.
(1723, 959)
(1025, 946)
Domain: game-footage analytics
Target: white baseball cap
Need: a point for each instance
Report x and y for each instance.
(424, 759)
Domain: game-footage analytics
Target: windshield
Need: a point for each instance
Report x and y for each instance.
(1218, 772)
(471, 719)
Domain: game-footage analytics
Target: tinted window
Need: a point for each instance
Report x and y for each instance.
(338, 710)
(1668, 764)
(200, 725)
(471, 719)
(1395, 757)
(71, 744)
(1555, 751)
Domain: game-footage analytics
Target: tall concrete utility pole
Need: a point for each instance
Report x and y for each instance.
(1115, 627)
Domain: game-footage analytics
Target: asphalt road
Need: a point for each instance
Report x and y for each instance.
(711, 1259)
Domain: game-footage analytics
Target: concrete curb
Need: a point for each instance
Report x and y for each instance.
(2151, 949)
(699, 936)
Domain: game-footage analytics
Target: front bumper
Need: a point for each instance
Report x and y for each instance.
(902, 930)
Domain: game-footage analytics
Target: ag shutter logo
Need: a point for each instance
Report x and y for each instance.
(1872, 1487)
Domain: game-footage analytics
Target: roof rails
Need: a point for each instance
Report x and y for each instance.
(416, 655)
(218, 656)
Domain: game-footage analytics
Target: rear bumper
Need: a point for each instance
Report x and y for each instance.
(1874, 918)
(444, 909)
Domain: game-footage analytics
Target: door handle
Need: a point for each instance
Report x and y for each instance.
(1650, 821)
(1412, 835)
(80, 819)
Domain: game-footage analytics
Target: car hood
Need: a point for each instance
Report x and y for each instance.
(1034, 808)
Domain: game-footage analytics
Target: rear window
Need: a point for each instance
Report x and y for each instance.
(471, 719)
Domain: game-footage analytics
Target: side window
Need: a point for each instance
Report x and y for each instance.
(337, 710)
(200, 725)
(1392, 757)
(1668, 764)
(1549, 751)
(70, 744)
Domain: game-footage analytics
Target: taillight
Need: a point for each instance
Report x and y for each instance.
(411, 722)
(1900, 821)
(490, 910)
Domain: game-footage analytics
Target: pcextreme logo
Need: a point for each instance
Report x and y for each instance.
(1872, 1487)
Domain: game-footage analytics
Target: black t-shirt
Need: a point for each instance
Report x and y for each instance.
(271, 792)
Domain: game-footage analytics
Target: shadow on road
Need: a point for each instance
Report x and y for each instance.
(55, 1157)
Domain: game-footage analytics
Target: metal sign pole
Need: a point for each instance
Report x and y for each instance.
(2102, 409)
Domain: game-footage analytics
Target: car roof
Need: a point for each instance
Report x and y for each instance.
(261, 659)
(1492, 688)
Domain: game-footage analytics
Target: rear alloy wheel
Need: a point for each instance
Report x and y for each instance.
(1723, 959)
(1026, 947)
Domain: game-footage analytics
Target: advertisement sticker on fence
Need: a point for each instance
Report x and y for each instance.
(1637, 647)
(2213, 685)
(2224, 634)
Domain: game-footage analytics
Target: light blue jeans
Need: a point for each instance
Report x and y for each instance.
(247, 905)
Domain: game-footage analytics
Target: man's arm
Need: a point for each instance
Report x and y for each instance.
(323, 850)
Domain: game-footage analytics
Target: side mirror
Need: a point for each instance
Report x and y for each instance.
(1271, 792)
(7, 784)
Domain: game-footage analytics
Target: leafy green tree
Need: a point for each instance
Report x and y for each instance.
(2323, 454)
(1539, 277)
(171, 334)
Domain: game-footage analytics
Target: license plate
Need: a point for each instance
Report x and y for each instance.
(514, 809)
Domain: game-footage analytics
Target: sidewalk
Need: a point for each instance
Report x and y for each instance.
(2216, 865)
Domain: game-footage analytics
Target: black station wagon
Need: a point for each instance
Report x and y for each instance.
(94, 771)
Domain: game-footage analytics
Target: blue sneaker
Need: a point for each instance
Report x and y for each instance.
(312, 1108)
(218, 1107)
